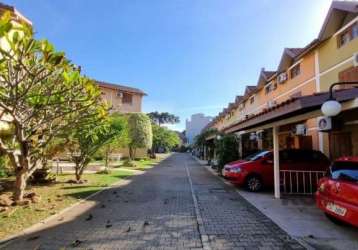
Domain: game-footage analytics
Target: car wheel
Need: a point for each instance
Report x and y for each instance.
(253, 183)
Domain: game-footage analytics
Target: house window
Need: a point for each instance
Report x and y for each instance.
(355, 30)
(295, 71)
(127, 98)
(270, 87)
(348, 35)
(252, 99)
(267, 89)
(242, 106)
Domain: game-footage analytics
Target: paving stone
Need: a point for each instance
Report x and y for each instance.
(163, 198)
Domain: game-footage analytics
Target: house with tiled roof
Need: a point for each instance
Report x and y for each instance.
(120, 98)
(329, 58)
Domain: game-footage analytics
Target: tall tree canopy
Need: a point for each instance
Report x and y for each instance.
(163, 118)
(42, 96)
(164, 138)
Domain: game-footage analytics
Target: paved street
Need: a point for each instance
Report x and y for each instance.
(157, 210)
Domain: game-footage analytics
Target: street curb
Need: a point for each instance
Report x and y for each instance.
(209, 169)
(203, 235)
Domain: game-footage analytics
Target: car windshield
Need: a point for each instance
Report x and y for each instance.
(345, 170)
(256, 156)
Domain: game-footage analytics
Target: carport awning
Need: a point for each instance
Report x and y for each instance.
(292, 107)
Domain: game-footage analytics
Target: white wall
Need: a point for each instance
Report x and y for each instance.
(194, 126)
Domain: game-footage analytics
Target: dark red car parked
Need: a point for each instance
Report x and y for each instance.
(337, 193)
(256, 171)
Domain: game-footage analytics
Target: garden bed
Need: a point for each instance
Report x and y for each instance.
(54, 198)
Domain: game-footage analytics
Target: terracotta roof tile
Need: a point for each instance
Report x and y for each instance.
(294, 51)
(268, 74)
(120, 87)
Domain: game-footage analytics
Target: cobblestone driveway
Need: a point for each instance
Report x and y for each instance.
(156, 211)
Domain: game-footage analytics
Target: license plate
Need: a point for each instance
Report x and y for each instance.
(336, 209)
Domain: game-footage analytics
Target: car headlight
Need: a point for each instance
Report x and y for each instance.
(236, 170)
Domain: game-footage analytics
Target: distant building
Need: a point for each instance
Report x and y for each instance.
(122, 99)
(194, 126)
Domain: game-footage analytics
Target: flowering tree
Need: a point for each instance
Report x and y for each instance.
(42, 96)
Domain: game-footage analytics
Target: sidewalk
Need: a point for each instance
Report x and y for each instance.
(300, 218)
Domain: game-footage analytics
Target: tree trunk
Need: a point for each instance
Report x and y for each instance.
(130, 153)
(80, 167)
(77, 172)
(20, 184)
(106, 162)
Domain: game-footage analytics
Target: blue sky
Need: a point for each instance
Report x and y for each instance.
(190, 56)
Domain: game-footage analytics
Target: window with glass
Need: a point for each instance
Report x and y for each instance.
(127, 98)
(348, 35)
(345, 170)
(295, 71)
(252, 99)
(270, 87)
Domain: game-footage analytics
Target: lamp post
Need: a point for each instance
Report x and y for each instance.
(332, 107)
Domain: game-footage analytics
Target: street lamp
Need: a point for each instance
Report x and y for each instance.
(332, 107)
(218, 137)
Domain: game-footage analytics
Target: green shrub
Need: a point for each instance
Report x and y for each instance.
(227, 150)
(130, 164)
(104, 171)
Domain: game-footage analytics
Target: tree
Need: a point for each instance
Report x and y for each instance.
(200, 140)
(164, 138)
(163, 118)
(139, 133)
(42, 95)
(227, 150)
(88, 139)
(120, 140)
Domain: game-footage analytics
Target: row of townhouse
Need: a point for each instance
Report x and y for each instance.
(331, 57)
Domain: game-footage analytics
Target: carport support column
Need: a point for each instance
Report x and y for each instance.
(276, 162)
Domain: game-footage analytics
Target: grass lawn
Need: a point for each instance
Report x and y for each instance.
(54, 198)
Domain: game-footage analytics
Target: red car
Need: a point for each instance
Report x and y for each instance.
(337, 193)
(256, 171)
